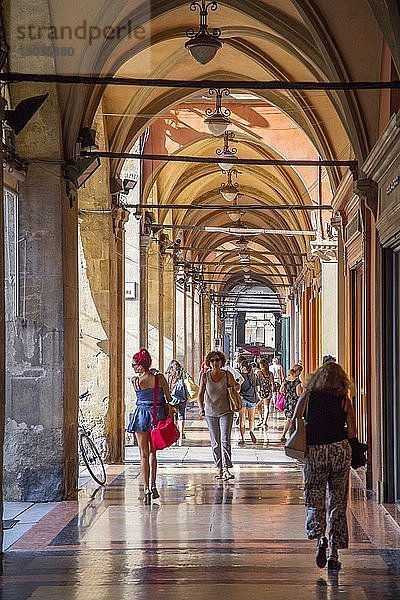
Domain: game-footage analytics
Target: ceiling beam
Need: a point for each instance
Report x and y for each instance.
(199, 84)
(230, 207)
(239, 251)
(241, 273)
(352, 164)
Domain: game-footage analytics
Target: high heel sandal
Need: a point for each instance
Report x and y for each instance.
(154, 492)
(147, 497)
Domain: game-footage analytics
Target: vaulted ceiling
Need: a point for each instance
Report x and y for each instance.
(286, 40)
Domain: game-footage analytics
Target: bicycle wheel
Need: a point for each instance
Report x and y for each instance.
(92, 459)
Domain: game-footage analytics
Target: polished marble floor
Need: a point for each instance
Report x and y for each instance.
(203, 539)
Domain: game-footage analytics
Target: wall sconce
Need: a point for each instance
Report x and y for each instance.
(229, 190)
(118, 186)
(78, 171)
(87, 139)
(128, 185)
(203, 45)
(227, 152)
(22, 113)
(217, 120)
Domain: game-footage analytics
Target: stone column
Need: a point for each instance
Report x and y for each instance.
(144, 270)
(192, 329)
(278, 332)
(293, 327)
(326, 251)
(41, 440)
(161, 314)
(2, 336)
(40, 448)
(115, 421)
(367, 189)
(207, 324)
(241, 329)
(339, 225)
(154, 285)
(169, 298)
(185, 328)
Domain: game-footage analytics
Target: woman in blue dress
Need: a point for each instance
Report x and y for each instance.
(141, 422)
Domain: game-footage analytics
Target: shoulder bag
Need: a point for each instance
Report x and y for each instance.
(165, 432)
(296, 445)
(178, 394)
(234, 398)
(280, 401)
(192, 388)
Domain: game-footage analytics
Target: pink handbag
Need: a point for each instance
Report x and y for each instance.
(280, 401)
(165, 432)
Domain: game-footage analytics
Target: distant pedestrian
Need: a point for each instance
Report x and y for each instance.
(175, 375)
(248, 392)
(292, 390)
(327, 358)
(265, 386)
(278, 375)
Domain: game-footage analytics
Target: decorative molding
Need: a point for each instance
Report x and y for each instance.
(343, 192)
(385, 152)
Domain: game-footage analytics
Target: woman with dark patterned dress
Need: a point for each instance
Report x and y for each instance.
(265, 385)
(331, 432)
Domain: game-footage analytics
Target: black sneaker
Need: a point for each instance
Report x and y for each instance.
(334, 565)
(320, 557)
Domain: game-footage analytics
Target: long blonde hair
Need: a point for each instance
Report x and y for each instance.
(331, 377)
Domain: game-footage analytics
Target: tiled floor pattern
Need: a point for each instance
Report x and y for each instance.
(203, 539)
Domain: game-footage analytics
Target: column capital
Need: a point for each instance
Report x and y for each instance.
(325, 250)
(144, 241)
(367, 190)
(120, 216)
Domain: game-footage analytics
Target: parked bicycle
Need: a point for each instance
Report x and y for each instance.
(88, 451)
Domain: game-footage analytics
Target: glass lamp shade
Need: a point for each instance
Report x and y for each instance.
(242, 243)
(226, 155)
(203, 47)
(217, 124)
(234, 215)
(244, 259)
(229, 193)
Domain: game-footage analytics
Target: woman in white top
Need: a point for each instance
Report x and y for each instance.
(214, 406)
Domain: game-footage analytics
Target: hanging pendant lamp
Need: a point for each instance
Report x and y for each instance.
(217, 120)
(227, 153)
(203, 45)
(229, 190)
